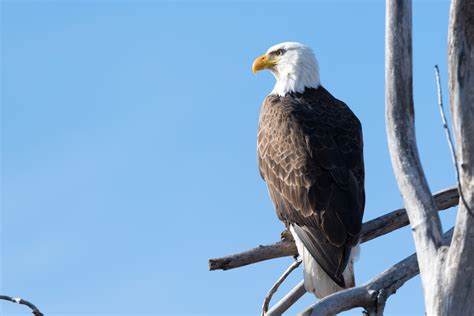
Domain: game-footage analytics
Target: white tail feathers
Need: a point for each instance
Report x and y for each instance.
(315, 279)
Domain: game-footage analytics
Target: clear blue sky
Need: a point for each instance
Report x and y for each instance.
(128, 147)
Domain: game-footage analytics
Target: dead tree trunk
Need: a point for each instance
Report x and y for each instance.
(447, 273)
(458, 278)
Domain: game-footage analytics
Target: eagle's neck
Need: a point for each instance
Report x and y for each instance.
(296, 76)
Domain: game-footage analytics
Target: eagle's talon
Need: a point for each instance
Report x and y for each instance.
(286, 235)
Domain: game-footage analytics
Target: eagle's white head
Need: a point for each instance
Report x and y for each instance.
(294, 66)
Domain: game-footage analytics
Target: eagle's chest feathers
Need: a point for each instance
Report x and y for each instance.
(281, 141)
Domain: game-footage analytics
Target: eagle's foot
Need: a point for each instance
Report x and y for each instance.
(286, 235)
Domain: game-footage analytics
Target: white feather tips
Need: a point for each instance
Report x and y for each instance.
(315, 279)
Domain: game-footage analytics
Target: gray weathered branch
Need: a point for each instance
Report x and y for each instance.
(449, 137)
(373, 294)
(21, 301)
(268, 297)
(400, 125)
(372, 229)
(394, 220)
(288, 300)
(279, 249)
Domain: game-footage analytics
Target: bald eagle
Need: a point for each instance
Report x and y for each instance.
(310, 154)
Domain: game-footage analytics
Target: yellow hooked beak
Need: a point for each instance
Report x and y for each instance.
(263, 62)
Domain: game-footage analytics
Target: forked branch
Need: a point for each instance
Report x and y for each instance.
(373, 294)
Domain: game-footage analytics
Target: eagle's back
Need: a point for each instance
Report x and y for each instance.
(310, 154)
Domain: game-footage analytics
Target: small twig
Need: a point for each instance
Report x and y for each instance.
(288, 300)
(376, 309)
(449, 137)
(21, 301)
(268, 297)
(382, 297)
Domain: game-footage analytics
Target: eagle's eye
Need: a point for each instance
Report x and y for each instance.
(279, 52)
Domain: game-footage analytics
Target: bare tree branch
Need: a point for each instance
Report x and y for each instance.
(279, 249)
(449, 138)
(275, 287)
(288, 300)
(458, 275)
(21, 301)
(373, 294)
(399, 116)
(446, 127)
(394, 220)
(372, 229)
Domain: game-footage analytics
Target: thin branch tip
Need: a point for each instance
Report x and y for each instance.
(274, 288)
(449, 138)
(21, 301)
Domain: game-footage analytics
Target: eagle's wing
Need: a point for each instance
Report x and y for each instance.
(310, 154)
